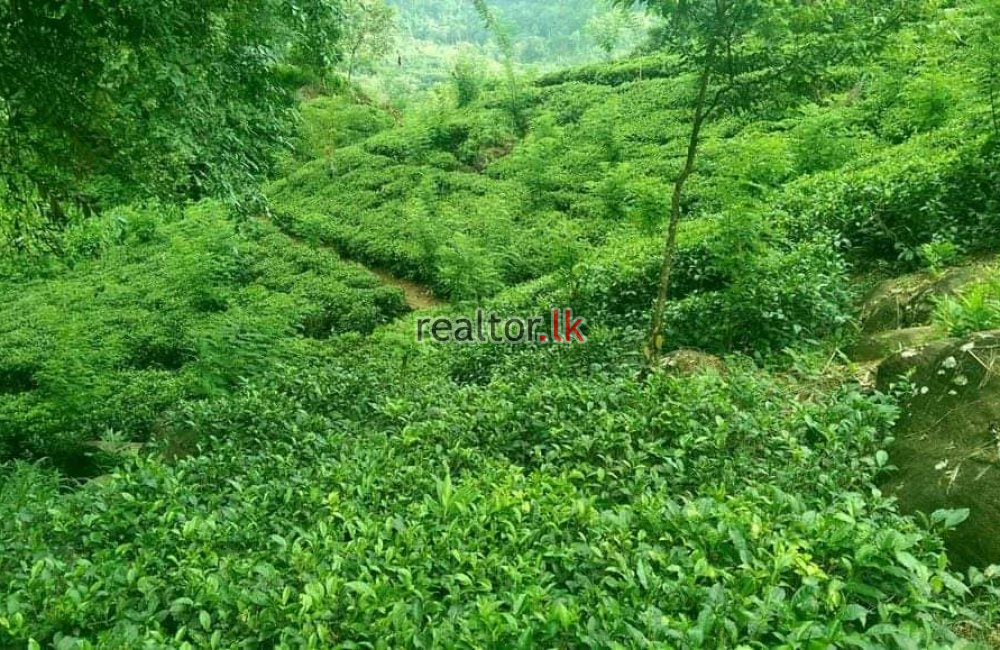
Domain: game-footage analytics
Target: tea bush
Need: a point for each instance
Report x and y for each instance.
(779, 298)
(358, 506)
(397, 199)
(925, 190)
(634, 69)
(158, 310)
(825, 139)
(332, 122)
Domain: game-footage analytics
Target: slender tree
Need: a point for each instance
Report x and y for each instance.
(368, 32)
(989, 49)
(504, 41)
(744, 52)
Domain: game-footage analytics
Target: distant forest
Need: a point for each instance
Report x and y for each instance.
(433, 36)
(552, 32)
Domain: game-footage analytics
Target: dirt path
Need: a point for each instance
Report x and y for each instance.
(417, 296)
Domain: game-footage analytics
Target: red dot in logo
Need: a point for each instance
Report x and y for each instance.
(543, 338)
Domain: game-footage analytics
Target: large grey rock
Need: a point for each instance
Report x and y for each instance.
(895, 368)
(947, 444)
(884, 344)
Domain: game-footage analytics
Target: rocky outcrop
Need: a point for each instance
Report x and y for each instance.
(897, 367)
(896, 315)
(885, 344)
(947, 444)
(909, 301)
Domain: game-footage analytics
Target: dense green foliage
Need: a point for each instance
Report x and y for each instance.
(748, 55)
(312, 477)
(363, 504)
(565, 31)
(158, 306)
(104, 102)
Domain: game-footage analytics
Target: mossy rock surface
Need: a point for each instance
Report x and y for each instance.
(885, 344)
(909, 301)
(895, 368)
(947, 444)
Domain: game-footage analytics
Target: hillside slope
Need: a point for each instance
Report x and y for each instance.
(313, 477)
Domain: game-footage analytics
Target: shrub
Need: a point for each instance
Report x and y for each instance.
(676, 489)
(926, 102)
(168, 308)
(777, 299)
(330, 123)
(744, 169)
(824, 139)
(929, 189)
(976, 309)
(467, 83)
(467, 271)
(615, 74)
(938, 255)
(618, 281)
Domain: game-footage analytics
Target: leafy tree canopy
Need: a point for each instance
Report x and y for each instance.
(105, 100)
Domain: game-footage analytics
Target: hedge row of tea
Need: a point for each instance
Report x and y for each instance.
(365, 499)
(150, 307)
(897, 165)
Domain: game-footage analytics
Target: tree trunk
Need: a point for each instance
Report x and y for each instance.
(354, 57)
(993, 94)
(654, 342)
